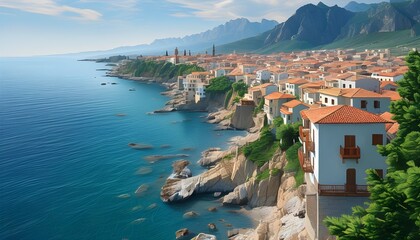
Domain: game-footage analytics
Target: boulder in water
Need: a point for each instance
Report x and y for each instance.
(212, 226)
(141, 189)
(181, 233)
(125, 195)
(140, 146)
(190, 214)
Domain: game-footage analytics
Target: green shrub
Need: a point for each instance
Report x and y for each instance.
(227, 98)
(261, 150)
(219, 84)
(259, 107)
(240, 87)
(288, 134)
(161, 69)
(293, 164)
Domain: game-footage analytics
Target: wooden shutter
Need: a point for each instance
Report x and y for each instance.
(377, 139)
(349, 141)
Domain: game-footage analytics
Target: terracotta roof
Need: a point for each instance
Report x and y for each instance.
(341, 114)
(284, 111)
(386, 83)
(394, 95)
(297, 81)
(293, 103)
(393, 126)
(351, 93)
(278, 95)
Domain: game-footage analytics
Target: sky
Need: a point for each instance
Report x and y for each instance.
(44, 27)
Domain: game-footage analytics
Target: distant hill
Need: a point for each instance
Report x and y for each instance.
(315, 26)
(358, 7)
(230, 31)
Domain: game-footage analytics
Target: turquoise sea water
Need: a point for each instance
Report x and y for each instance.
(64, 157)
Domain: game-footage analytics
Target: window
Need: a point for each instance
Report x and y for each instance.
(344, 85)
(288, 117)
(377, 139)
(332, 101)
(363, 104)
(326, 100)
(377, 104)
(349, 86)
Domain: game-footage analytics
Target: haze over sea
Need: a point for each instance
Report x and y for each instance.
(64, 157)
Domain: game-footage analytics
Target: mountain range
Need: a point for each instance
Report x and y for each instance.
(314, 26)
(230, 31)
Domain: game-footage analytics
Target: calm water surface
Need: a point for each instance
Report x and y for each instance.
(64, 158)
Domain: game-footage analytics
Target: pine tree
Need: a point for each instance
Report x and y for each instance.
(394, 208)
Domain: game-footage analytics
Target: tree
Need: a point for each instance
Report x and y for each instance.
(394, 208)
(288, 134)
(240, 87)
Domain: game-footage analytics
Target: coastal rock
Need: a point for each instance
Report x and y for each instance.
(212, 209)
(242, 170)
(242, 117)
(211, 156)
(179, 165)
(190, 214)
(141, 190)
(212, 226)
(154, 158)
(216, 179)
(144, 170)
(140, 146)
(204, 236)
(181, 233)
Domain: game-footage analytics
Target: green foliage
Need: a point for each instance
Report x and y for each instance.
(277, 122)
(228, 97)
(161, 69)
(219, 84)
(265, 123)
(267, 173)
(241, 88)
(259, 107)
(237, 99)
(261, 150)
(394, 208)
(288, 134)
(228, 157)
(293, 164)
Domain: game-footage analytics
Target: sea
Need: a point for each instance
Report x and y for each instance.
(66, 170)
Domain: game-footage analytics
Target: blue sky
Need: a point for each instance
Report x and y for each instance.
(40, 27)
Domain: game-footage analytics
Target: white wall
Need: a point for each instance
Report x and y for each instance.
(329, 168)
(383, 102)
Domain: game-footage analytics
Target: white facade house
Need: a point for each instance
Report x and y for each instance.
(292, 85)
(273, 102)
(290, 111)
(191, 84)
(370, 84)
(355, 97)
(200, 92)
(276, 77)
(388, 76)
(339, 145)
(263, 76)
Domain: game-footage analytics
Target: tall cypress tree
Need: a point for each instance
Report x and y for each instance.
(394, 208)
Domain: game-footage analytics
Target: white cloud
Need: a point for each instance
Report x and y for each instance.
(279, 10)
(52, 8)
(121, 4)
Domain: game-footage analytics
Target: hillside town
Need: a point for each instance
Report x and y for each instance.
(341, 97)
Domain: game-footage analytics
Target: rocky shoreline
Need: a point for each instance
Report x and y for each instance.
(274, 204)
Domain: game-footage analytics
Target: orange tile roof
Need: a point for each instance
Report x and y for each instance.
(278, 95)
(341, 114)
(284, 111)
(293, 103)
(351, 93)
(393, 126)
(394, 95)
(386, 83)
(297, 81)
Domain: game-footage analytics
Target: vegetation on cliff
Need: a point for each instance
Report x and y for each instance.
(219, 84)
(158, 69)
(394, 208)
(293, 164)
(262, 150)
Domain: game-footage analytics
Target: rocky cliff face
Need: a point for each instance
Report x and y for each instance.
(316, 24)
(242, 117)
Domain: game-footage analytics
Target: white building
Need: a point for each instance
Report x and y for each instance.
(339, 145)
(273, 102)
(355, 97)
(290, 111)
(292, 85)
(359, 81)
(388, 76)
(263, 76)
(192, 82)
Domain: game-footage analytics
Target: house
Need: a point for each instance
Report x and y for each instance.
(292, 85)
(360, 81)
(392, 127)
(196, 81)
(263, 76)
(355, 97)
(273, 102)
(258, 92)
(290, 111)
(388, 76)
(339, 145)
(308, 92)
(388, 85)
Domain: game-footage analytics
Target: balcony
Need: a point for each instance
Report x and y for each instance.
(304, 134)
(350, 153)
(343, 190)
(304, 162)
